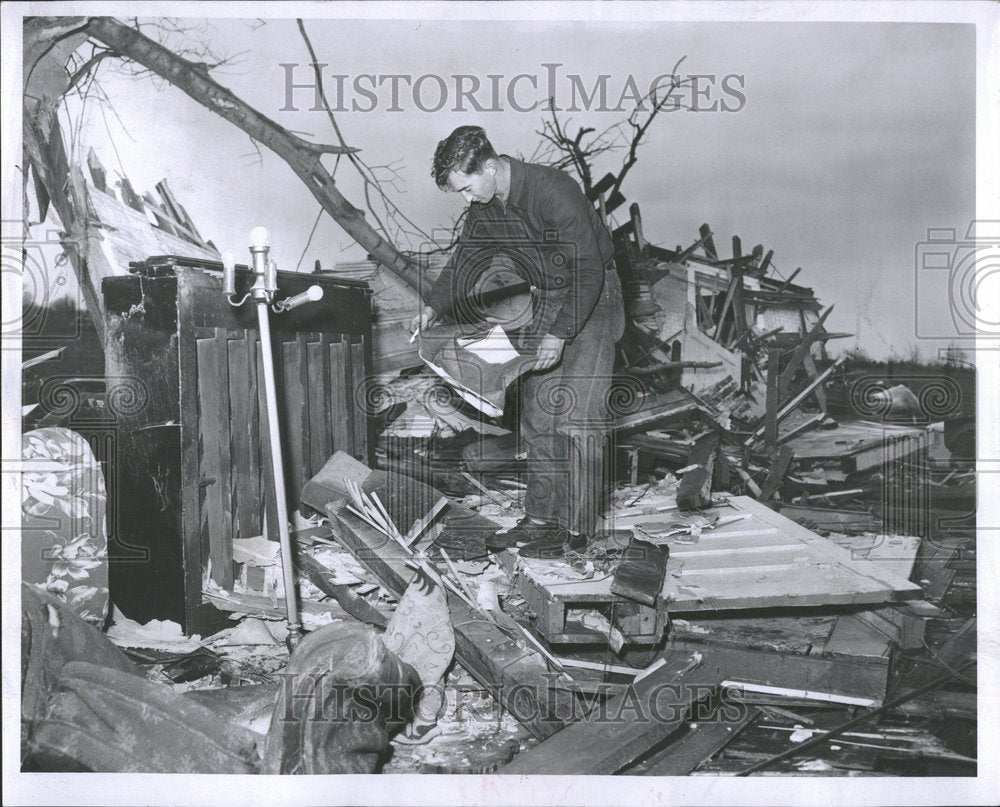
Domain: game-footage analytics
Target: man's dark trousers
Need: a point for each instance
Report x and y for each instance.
(565, 419)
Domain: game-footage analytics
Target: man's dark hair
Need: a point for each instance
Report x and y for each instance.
(464, 150)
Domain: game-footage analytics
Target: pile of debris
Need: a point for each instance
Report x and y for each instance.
(752, 537)
(769, 589)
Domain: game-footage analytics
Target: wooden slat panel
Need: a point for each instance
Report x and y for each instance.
(319, 393)
(244, 437)
(356, 397)
(761, 560)
(341, 424)
(293, 394)
(213, 432)
(268, 517)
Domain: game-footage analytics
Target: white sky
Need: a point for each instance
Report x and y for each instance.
(854, 139)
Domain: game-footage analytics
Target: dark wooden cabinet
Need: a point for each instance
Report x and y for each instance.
(191, 460)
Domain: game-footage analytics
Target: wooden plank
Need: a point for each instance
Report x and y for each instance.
(798, 399)
(739, 304)
(193, 559)
(800, 352)
(293, 381)
(809, 363)
(802, 428)
(771, 405)
(163, 220)
(341, 422)
(842, 678)
(706, 234)
(213, 428)
(320, 442)
(269, 516)
(726, 302)
(701, 742)
(177, 211)
(832, 520)
(357, 400)
(776, 475)
(131, 197)
(625, 727)
(242, 437)
(517, 675)
(695, 489)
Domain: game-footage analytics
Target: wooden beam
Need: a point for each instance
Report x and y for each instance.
(730, 294)
(800, 351)
(131, 198)
(603, 184)
(777, 473)
(844, 678)
(636, 218)
(771, 405)
(176, 210)
(163, 220)
(615, 200)
(625, 727)
(706, 234)
(702, 741)
(810, 364)
(798, 399)
(683, 255)
(815, 420)
(739, 304)
(789, 279)
(904, 623)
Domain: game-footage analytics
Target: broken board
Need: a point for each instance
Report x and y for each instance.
(625, 727)
(856, 446)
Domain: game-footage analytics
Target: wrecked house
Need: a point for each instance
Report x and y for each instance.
(782, 570)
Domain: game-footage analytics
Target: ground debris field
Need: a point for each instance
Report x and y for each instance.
(272, 541)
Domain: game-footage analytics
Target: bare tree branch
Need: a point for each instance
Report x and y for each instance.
(303, 157)
(394, 217)
(579, 152)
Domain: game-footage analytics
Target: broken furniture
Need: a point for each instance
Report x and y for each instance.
(558, 605)
(192, 472)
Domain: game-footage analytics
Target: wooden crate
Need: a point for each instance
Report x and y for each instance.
(640, 624)
(191, 458)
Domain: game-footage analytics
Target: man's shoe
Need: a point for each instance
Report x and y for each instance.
(558, 544)
(578, 542)
(524, 532)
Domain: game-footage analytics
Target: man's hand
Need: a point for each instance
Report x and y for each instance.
(423, 320)
(549, 352)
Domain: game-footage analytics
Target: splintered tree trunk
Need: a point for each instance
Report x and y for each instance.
(303, 157)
